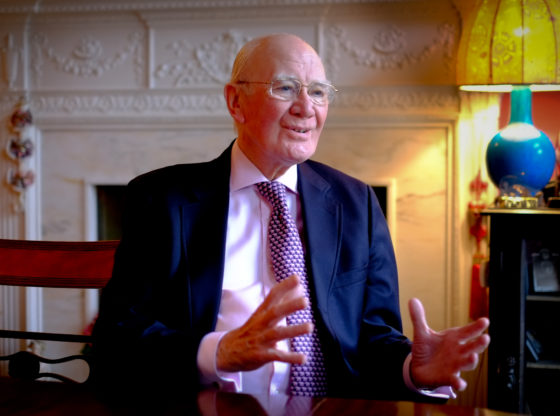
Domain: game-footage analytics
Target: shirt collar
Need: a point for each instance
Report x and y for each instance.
(244, 173)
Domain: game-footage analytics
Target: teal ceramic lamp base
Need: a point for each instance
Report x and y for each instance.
(520, 158)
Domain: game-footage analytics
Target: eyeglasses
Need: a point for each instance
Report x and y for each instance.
(288, 89)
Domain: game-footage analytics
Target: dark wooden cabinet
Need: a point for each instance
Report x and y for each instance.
(524, 308)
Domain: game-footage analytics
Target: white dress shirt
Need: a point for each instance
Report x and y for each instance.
(248, 275)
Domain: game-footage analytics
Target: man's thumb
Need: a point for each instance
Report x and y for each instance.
(418, 317)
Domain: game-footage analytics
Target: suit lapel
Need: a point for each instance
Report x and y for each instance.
(322, 223)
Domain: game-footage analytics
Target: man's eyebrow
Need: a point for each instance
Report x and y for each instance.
(285, 76)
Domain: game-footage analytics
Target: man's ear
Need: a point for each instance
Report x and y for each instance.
(231, 95)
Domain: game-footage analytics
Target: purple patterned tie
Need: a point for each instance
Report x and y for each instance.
(286, 253)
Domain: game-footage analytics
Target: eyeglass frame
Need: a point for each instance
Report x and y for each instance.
(330, 95)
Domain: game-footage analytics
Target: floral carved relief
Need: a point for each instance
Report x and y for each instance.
(390, 48)
(396, 99)
(118, 104)
(209, 62)
(211, 103)
(87, 59)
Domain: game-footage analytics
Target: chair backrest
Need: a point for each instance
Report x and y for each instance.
(64, 264)
(56, 264)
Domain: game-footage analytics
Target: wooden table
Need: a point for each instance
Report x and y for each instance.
(49, 398)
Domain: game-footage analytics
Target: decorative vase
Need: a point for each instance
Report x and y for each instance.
(520, 158)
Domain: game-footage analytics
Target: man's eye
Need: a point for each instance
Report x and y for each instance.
(317, 91)
(285, 88)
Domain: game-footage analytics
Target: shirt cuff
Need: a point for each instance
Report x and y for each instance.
(442, 392)
(207, 367)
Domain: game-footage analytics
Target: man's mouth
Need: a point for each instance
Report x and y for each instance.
(299, 130)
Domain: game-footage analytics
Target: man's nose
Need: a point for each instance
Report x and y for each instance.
(303, 105)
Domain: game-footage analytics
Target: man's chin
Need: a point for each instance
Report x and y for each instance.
(299, 153)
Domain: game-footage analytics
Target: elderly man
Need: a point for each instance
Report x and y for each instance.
(203, 294)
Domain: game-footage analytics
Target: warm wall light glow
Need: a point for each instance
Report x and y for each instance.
(520, 31)
(510, 42)
(509, 87)
(487, 88)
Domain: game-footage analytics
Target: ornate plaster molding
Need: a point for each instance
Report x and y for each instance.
(161, 105)
(209, 62)
(397, 99)
(116, 104)
(87, 58)
(276, 12)
(103, 6)
(8, 99)
(389, 48)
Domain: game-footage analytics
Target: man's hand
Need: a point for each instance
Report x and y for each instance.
(254, 343)
(439, 357)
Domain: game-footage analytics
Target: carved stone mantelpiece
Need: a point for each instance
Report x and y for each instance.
(188, 107)
(111, 106)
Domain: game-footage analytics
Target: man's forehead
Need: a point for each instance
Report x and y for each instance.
(307, 65)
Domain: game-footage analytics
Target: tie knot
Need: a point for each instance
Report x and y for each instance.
(274, 192)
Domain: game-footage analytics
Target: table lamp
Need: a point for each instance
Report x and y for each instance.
(513, 46)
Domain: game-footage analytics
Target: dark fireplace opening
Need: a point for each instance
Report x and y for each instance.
(110, 206)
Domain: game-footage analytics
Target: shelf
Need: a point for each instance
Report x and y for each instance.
(533, 211)
(524, 355)
(543, 298)
(544, 365)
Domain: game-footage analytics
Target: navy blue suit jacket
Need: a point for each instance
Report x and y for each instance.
(165, 291)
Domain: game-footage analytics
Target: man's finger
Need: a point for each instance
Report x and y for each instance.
(292, 331)
(478, 344)
(281, 289)
(278, 312)
(473, 329)
(458, 383)
(475, 345)
(469, 362)
(285, 300)
(289, 357)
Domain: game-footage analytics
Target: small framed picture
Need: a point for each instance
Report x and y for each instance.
(545, 271)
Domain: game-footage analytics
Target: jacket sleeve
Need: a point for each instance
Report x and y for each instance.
(383, 346)
(363, 316)
(141, 337)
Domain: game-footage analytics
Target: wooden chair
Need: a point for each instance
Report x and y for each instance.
(53, 264)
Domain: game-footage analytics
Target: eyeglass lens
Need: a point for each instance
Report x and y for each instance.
(289, 89)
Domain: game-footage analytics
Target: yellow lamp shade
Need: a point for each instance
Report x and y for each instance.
(510, 42)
